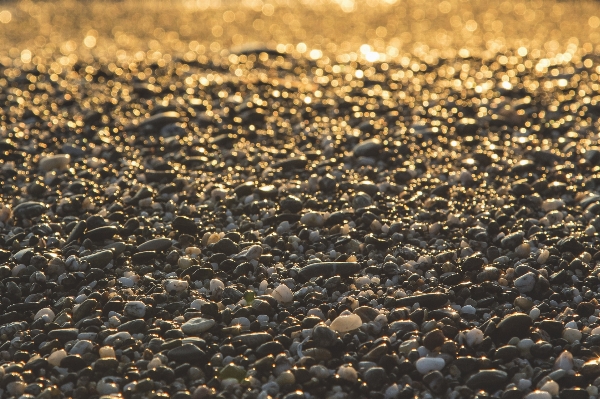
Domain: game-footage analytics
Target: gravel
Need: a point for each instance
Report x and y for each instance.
(270, 222)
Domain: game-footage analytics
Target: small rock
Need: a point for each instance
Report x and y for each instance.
(135, 309)
(346, 323)
(425, 365)
(197, 325)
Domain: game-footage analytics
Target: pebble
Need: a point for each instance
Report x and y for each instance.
(135, 309)
(525, 283)
(538, 395)
(282, 294)
(202, 221)
(425, 365)
(197, 325)
(345, 323)
(54, 162)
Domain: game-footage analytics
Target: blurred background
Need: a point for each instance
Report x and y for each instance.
(68, 31)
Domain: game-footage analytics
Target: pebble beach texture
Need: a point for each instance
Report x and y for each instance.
(382, 199)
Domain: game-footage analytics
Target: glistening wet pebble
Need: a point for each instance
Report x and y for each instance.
(274, 223)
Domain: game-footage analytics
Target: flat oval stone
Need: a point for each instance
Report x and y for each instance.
(488, 380)
(513, 325)
(253, 339)
(161, 119)
(366, 313)
(102, 233)
(186, 353)
(29, 209)
(54, 162)
(367, 148)
(98, 259)
(431, 301)
(427, 364)
(346, 323)
(64, 334)
(329, 269)
(401, 327)
(197, 325)
(155, 244)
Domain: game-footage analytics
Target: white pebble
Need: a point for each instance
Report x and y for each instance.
(427, 364)
(282, 294)
(345, 323)
(474, 337)
(197, 325)
(551, 387)
(197, 304)
(571, 335)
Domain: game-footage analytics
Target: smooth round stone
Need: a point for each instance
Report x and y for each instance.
(425, 365)
(283, 294)
(345, 323)
(312, 219)
(551, 387)
(367, 148)
(232, 371)
(571, 334)
(99, 259)
(155, 244)
(433, 339)
(291, 204)
(197, 326)
(366, 313)
(376, 376)
(474, 337)
(54, 162)
(186, 353)
(46, 313)
(539, 395)
(106, 352)
(361, 200)
(513, 325)
(56, 357)
(225, 246)
(16, 388)
(488, 380)
(348, 373)
(106, 387)
(135, 309)
(468, 309)
(564, 361)
(286, 378)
